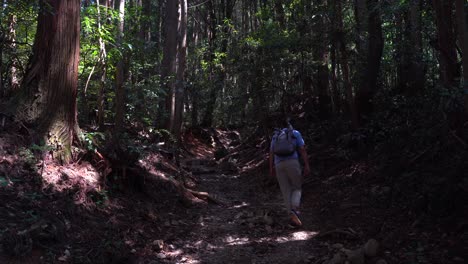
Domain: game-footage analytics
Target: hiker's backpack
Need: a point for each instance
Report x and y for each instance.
(284, 142)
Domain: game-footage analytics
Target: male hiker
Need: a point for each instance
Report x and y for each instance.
(285, 148)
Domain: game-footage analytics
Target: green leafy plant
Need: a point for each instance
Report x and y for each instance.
(92, 140)
(99, 197)
(3, 182)
(28, 157)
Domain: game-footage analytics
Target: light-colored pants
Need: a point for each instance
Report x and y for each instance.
(288, 173)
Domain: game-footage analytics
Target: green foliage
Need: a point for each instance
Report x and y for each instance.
(99, 197)
(3, 182)
(92, 140)
(163, 135)
(28, 156)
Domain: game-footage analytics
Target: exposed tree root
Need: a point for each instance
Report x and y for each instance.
(206, 196)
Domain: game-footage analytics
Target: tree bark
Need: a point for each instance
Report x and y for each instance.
(361, 16)
(370, 49)
(146, 26)
(416, 67)
(449, 70)
(345, 66)
(213, 96)
(120, 74)
(103, 66)
(14, 80)
(181, 66)
(52, 76)
(168, 67)
(2, 88)
(374, 58)
(335, 95)
(321, 56)
(463, 42)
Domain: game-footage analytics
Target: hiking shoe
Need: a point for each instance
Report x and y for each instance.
(295, 218)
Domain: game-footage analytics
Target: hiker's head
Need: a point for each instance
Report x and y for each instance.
(282, 122)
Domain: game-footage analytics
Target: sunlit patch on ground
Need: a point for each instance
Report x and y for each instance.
(61, 177)
(302, 235)
(231, 240)
(241, 205)
(295, 236)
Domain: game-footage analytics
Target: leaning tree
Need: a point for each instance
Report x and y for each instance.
(50, 83)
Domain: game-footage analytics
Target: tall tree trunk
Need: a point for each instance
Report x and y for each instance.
(321, 56)
(2, 88)
(370, 49)
(400, 54)
(374, 58)
(168, 67)
(463, 42)
(449, 70)
(146, 25)
(260, 105)
(212, 98)
(120, 74)
(417, 67)
(103, 66)
(361, 16)
(345, 66)
(52, 76)
(181, 65)
(335, 95)
(14, 80)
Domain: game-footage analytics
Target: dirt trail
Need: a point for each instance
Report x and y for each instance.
(251, 226)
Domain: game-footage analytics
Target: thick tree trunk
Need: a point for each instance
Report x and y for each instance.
(449, 70)
(168, 67)
(181, 65)
(463, 42)
(370, 49)
(51, 79)
(120, 75)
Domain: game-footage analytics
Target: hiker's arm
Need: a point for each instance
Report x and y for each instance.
(305, 158)
(272, 167)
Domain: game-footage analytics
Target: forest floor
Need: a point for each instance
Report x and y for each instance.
(53, 214)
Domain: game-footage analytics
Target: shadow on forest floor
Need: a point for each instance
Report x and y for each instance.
(39, 224)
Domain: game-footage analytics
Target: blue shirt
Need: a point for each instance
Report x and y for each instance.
(295, 155)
